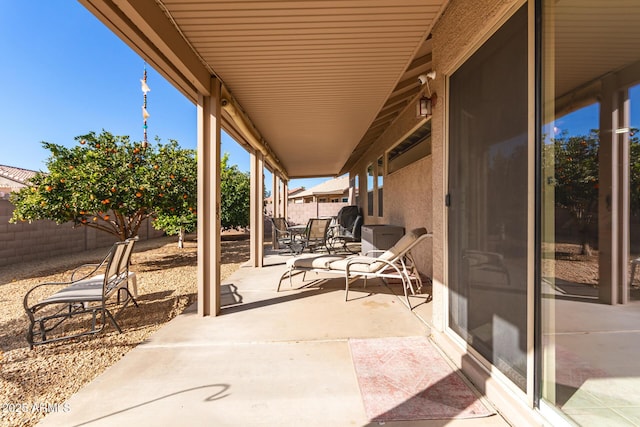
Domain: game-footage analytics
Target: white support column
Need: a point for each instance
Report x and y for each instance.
(257, 209)
(208, 269)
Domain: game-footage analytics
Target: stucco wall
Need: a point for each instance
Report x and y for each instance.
(41, 239)
(408, 202)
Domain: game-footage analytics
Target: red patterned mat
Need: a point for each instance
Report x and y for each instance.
(403, 379)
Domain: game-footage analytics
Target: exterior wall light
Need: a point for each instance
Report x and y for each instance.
(426, 103)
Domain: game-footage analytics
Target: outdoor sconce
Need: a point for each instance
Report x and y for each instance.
(426, 103)
(424, 106)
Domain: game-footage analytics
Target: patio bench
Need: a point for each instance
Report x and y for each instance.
(92, 293)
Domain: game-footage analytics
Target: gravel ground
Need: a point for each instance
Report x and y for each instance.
(33, 382)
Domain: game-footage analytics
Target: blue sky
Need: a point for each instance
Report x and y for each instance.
(580, 122)
(65, 74)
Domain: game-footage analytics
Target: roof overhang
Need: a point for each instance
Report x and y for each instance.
(314, 83)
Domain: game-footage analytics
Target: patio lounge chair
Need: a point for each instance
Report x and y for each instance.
(91, 293)
(394, 263)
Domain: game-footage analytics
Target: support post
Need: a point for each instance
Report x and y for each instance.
(285, 199)
(208, 271)
(257, 209)
(275, 196)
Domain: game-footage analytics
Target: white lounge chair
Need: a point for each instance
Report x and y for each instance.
(91, 293)
(394, 263)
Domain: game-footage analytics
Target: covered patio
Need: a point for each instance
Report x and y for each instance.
(308, 88)
(271, 358)
(442, 113)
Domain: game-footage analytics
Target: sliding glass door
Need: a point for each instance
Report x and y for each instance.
(591, 211)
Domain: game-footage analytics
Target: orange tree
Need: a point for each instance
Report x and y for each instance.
(235, 190)
(111, 184)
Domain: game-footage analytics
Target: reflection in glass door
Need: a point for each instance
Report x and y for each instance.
(590, 310)
(633, 138)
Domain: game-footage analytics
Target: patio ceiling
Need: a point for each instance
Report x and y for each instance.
(317, 80)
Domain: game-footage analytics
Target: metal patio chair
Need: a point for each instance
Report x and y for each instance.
(314, 236)
(93, 293)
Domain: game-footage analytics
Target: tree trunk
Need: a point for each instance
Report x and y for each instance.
(181, 238)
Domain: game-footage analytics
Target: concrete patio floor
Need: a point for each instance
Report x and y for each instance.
(270, 358)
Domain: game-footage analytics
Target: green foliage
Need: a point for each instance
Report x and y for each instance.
(179, 190)
(634, 172)
(235, 189)
(109, 183)
(576, 182)
(576, 175)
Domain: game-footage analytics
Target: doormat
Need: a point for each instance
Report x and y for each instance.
(404, 379)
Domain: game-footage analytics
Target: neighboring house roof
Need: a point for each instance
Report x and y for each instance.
(12, 179)
(333, 186)
(17, 175)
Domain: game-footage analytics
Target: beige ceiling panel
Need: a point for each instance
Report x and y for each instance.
(310, 75)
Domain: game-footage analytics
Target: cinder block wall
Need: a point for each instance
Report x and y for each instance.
(299, 213)
(41, 239)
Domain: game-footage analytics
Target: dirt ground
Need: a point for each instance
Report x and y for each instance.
(33, 382)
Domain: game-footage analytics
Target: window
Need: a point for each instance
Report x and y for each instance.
(370, 174)
(412, 148)
(379, 184)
